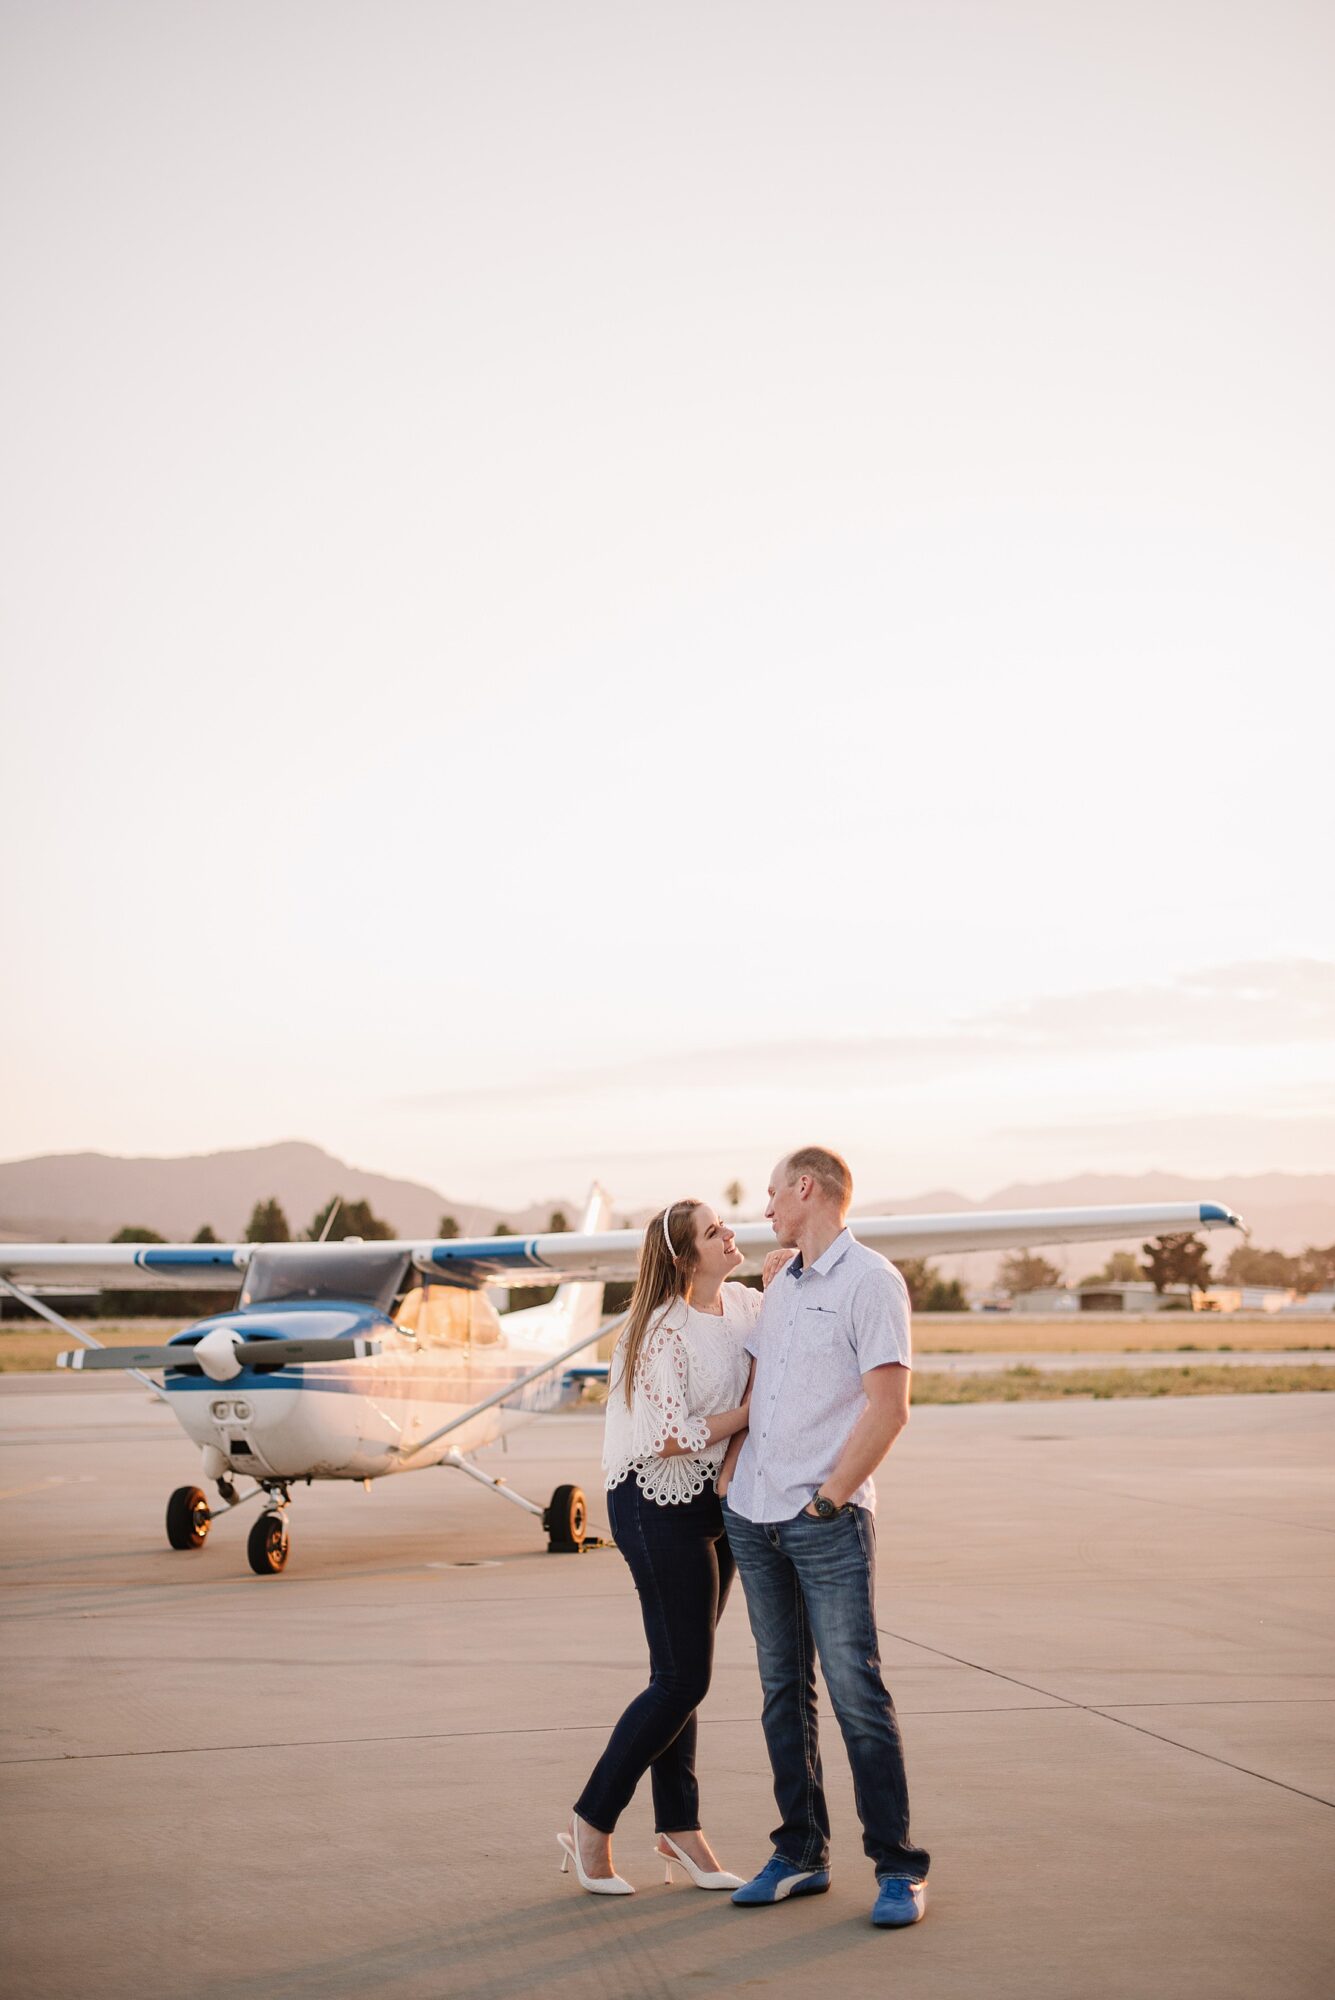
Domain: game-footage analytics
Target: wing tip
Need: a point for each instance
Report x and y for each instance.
(1227, 1218)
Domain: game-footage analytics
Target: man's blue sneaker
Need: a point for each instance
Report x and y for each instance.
(778, 1880)
(900, 1900)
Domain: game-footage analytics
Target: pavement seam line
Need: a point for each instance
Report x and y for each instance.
(1227, 1762)
(1050, 1701)
(1104, 1715)
(436, 1736)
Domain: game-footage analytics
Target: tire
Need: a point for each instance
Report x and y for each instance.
(566, 1521)
(266, 1545)
(187, 1518)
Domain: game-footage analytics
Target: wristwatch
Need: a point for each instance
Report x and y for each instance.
(824, 1510)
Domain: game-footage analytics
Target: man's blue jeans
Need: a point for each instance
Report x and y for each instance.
(811, 1590)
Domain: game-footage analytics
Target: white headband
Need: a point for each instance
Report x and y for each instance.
(667, 1233)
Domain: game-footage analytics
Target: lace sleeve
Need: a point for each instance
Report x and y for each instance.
(660, 1409)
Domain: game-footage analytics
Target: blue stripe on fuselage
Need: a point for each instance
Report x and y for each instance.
(297, 1319)
(324, 1380)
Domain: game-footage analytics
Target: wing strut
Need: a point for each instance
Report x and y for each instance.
(521, 1382)
(68, 1326)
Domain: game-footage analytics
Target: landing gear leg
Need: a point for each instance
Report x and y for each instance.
(565, 1517)
(498, 1486)
(267, 1542)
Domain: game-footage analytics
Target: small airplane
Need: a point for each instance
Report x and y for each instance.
(354, 1360)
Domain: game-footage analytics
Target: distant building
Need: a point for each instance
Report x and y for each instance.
(1052, 1299)
(1133, 1295)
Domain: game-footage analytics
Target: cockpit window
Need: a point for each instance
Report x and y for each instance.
(445, 1316)
(368, 1274)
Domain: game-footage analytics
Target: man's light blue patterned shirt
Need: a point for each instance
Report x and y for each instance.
(820, 1330)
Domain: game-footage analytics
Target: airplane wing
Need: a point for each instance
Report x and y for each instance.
(128, 1267)
(527, 1260)
(613, 1254)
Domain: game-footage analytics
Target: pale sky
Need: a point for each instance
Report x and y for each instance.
(597, 588)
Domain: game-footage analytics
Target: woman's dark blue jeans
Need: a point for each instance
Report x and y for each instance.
(683, 1567)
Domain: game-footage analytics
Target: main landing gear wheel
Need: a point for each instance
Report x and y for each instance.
(187, 1518)
(266, 1545)
(566, 1521)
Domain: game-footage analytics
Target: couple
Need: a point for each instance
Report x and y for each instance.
(785, 1404)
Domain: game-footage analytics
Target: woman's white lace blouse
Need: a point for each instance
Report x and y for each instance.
(692, 1366)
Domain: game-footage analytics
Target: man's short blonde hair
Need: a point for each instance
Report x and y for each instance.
(829, 1171)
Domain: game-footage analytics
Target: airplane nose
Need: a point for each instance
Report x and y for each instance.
(216, 1354)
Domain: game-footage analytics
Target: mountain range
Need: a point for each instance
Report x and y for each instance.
(87, 1197)
(1282, 1211)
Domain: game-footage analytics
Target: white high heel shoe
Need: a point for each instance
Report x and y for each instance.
(703, 1878)
(597, 1885)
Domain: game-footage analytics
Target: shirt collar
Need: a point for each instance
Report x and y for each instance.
(827, 1259)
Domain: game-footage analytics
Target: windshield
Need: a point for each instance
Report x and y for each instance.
(369, 1274)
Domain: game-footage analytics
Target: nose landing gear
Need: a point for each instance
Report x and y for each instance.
(266, 1544)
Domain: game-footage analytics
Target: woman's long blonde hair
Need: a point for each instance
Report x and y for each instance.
(664, 1275)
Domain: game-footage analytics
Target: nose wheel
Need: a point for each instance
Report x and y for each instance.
(266, 1544)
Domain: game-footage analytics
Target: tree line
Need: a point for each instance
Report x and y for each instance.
(1181, 1259)
(334, 1222)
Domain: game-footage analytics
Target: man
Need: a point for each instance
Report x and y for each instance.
(829, 1396)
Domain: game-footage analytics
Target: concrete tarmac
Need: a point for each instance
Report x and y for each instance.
(1107, 1627)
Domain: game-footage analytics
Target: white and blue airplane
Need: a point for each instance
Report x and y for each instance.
(354, 1360)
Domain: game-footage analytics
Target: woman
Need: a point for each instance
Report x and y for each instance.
(675, 1397)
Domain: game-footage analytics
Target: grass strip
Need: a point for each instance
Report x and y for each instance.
(1023, 1384)
(1034, 1385)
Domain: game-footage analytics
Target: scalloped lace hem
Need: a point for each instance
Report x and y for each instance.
(668, 1481)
